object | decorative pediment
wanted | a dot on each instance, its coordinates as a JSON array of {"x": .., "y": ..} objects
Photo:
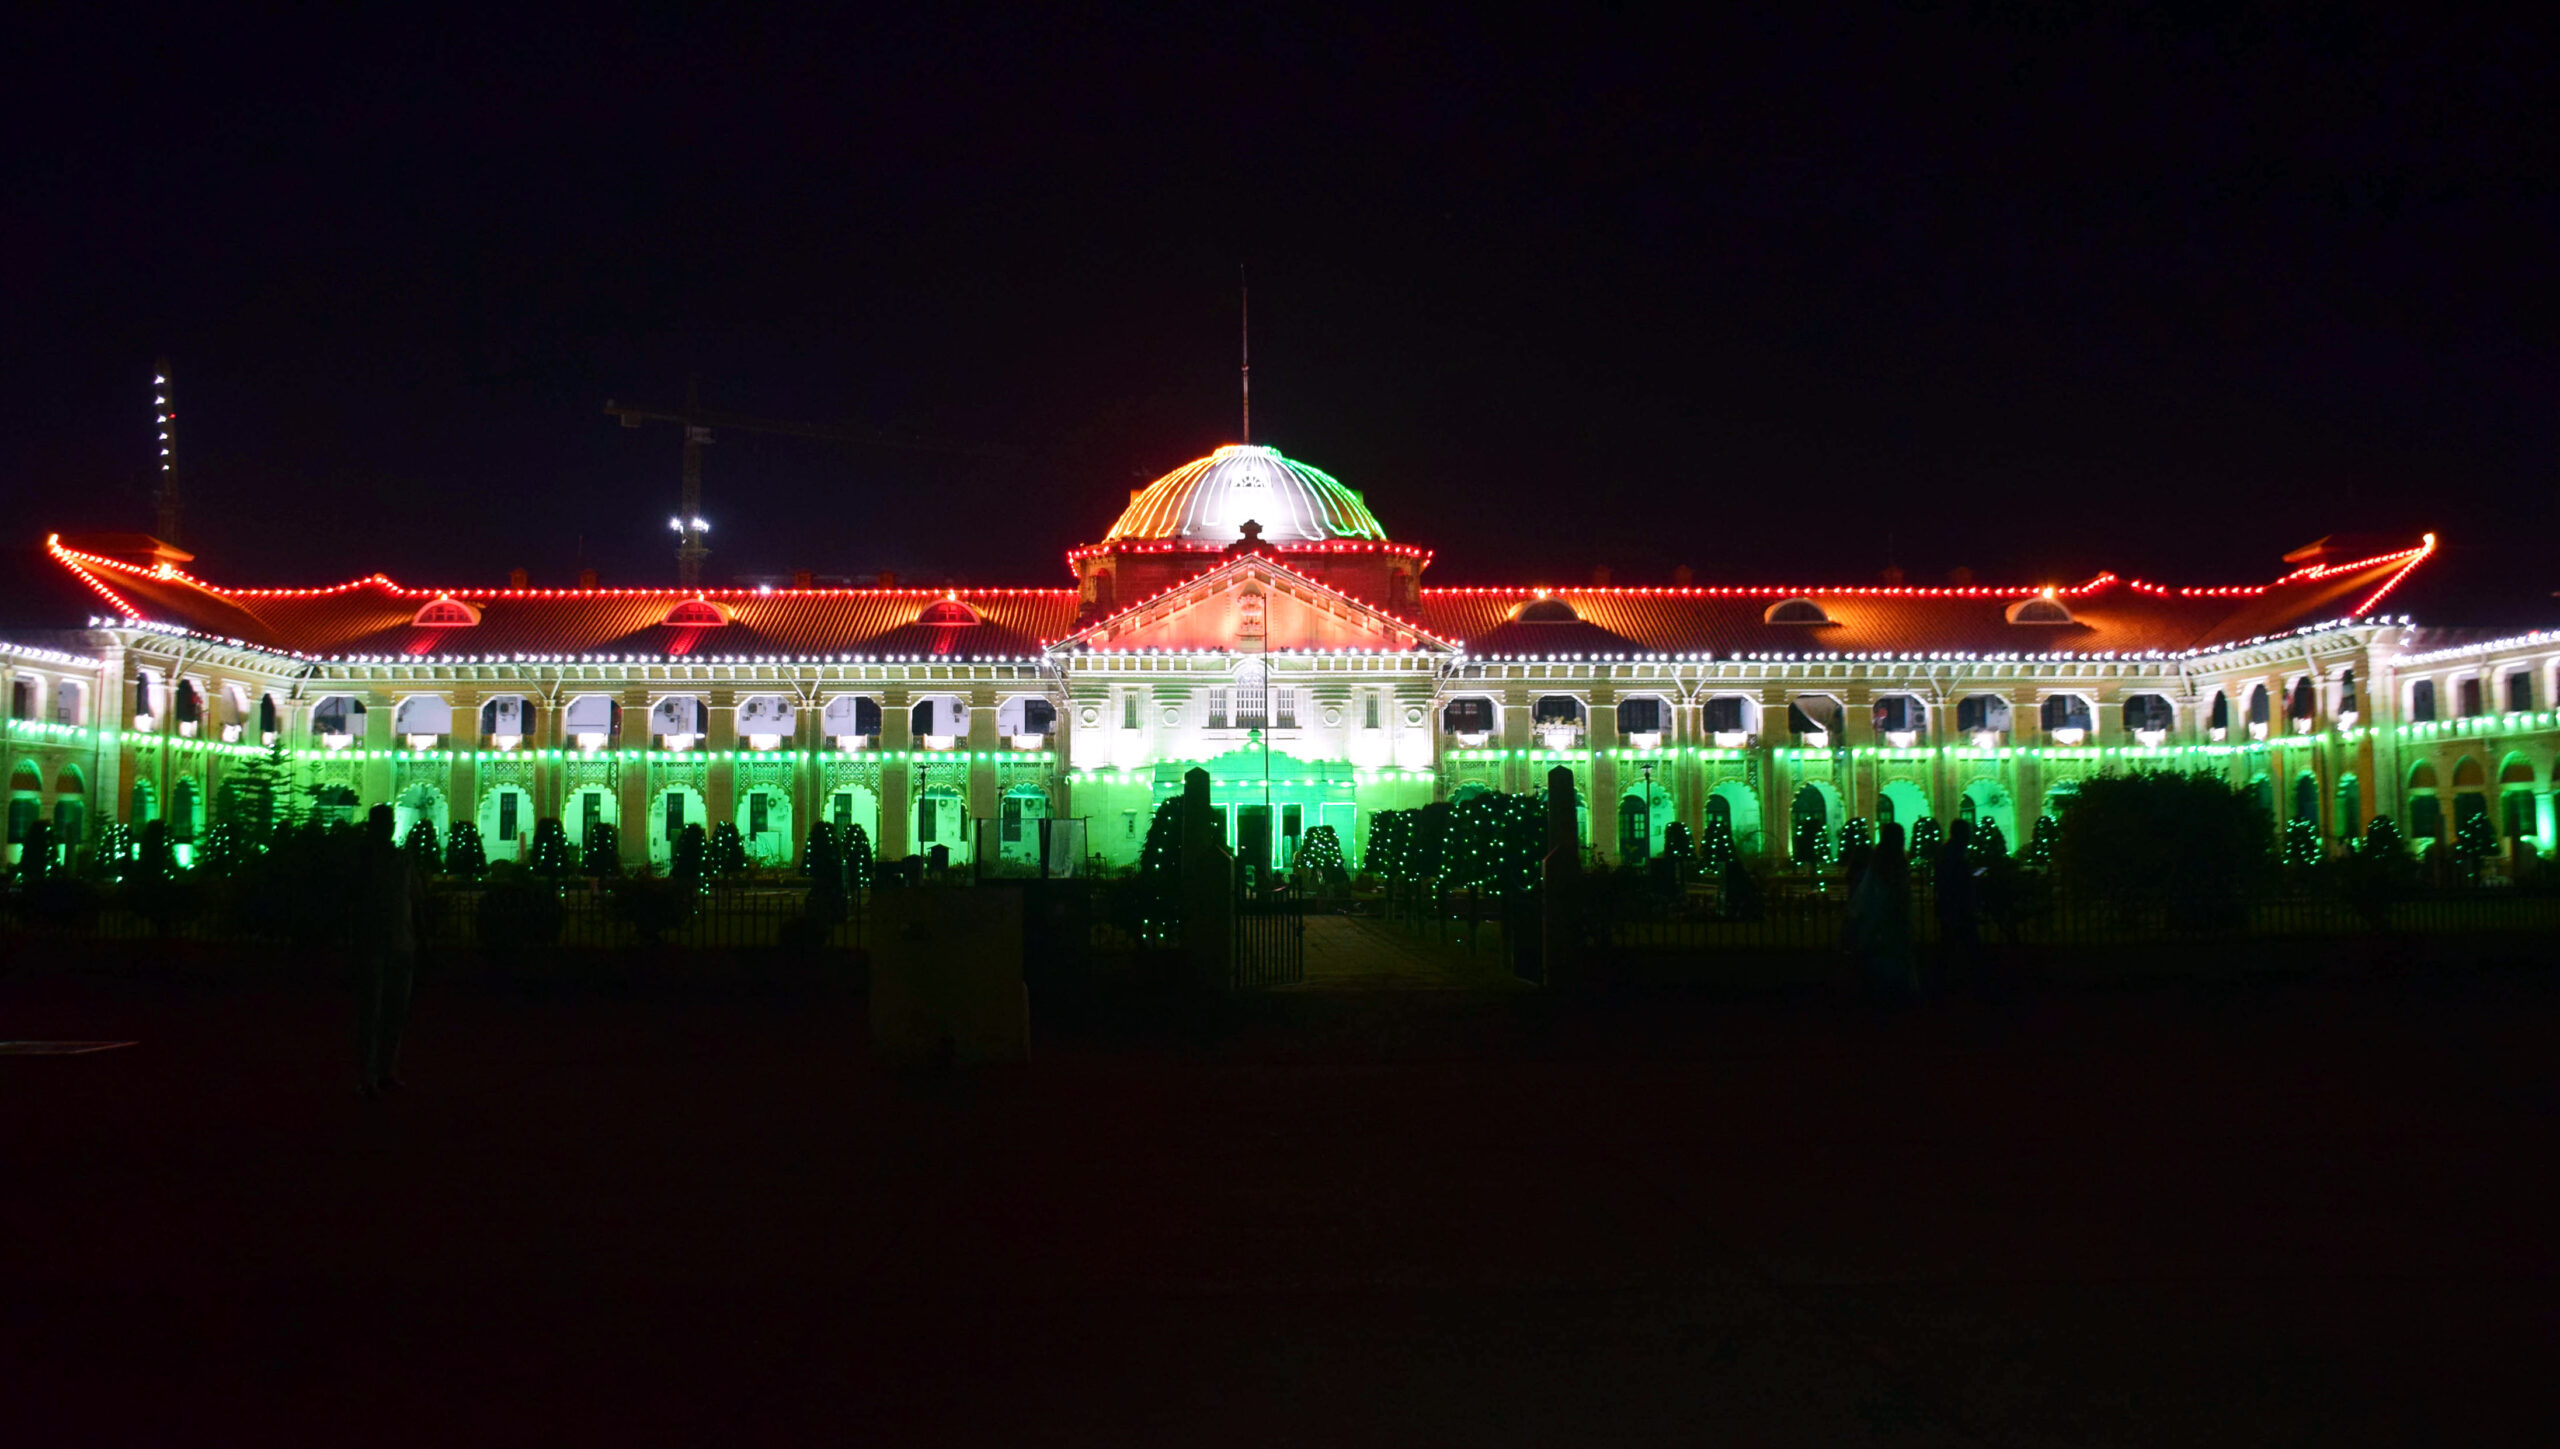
[{"x": 1252, "y": 603}]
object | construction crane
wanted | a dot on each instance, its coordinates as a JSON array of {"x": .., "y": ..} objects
[{"x": 698, "y": 422}]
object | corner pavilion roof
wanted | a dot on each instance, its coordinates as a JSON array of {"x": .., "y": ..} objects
[
  {"x": 1204, "y": 501},
  {"x": 375, "y": 618}
]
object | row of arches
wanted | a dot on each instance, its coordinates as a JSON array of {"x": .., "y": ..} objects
[
  {"x": 2065, "y": 715},
  {"x": 61, "y": 802},
  {"x": 767, "y": 719}
]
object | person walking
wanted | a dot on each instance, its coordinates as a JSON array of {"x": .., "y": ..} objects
[
  {"x": 1880, "y": 920},
  {"x": 386, "y": 942}
]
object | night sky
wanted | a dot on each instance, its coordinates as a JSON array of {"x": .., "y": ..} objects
[{"x": 2035, "y": 290}]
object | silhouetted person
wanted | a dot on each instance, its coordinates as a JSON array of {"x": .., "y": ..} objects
[
  {"x": 386, "y": 952},
  {"x": 1880, "y": 920},
  {"x": 1959, "y": 899}
]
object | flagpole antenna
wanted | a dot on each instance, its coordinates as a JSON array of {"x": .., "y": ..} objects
[{"x": 1244, "y": 338}]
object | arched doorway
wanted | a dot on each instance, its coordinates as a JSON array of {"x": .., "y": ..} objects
[
  {"x": 676, "y": 807},
  {"x": 506, "y": 823},
  {"x": 333, "y": 805},
  {"x": 1738, "y": 805},
  {"x": 1018, "y": 824},
  {"x": 584, "y": 809},
  {"x": 764, "y": 825},
  {"x": 854, "y": 807},
  {"x": 941, "y": 819},
  {"x": 1809, "y": 827},
  {"x": 1987, "y": 802},
  {"x": 417, "y": 803},
  {"x": 1644, "y": 813}
]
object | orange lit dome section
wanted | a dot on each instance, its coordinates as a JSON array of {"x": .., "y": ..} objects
[{"x": 1209, "y": 500}]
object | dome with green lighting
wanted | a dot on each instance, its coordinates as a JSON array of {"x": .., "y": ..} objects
[{"x": 1209, "y": 501}]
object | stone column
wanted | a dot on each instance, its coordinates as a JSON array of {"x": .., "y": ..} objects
[
  {"x": 982, "y": 742},
  {"x": 1600, "y": 736},
  {"x": 720, "y": 738},
  {"x": 897, "y": 800},
  {"x": 376, "y": 772},
  {"x": 462, "y": 773},
  {"x": 631, "y": 775}
]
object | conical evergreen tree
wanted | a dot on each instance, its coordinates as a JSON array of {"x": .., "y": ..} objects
[
  {"x": 857, "y": 857},
  {"x": 464, "y": 856},
  {"x": 422, "y": 847},
  {"x": 728, "y": 852},
  {"x": 552, "y": 855}
]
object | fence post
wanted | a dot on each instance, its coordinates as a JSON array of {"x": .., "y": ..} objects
[{"x": 1560, "y": 926}]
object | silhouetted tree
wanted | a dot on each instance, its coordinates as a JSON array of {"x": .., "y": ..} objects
[
  {"x": 728, "y": 853},
  {"x": 464, "y": 856}
]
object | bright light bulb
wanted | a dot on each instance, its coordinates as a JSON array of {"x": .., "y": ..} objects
[
  {"x": 701, "y": 527},
  {"x": 159, "y": 381},
  {"x": 676, "y": 523}
]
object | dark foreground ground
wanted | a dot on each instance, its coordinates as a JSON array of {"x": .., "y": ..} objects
[{"x": 2309, "y": 1214}]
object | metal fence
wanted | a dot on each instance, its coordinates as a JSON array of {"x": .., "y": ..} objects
[
  {"x": 723, "y": 918},
  {"x": 1814, "y": 916}
]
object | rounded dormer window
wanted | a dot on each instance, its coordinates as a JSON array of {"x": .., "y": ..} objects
[
  {"x": 696, "y": 614},
  {"x": 1796, "y": 611},
  {"x": 2042, "y": 609},
  {"x": 950, "y": 613},
  {"x": 446, "y": 613},
  {"x": 1547, "y": 611}
]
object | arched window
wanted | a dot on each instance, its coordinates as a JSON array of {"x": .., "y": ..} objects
[
  {"x": 2350, "y": 806},
  {"x": 696, "y": 613},
  {"x": 2039, "y": 610},
  {"x": 850, "y": 716},
  {"x": 1900, "y": 714},
  {"x": 267, "y": 726},
  {"x": 1547, "y": 611},
  {"x": 1558, "y": 711},
  {"x": 1729, "y": 716},
  {"x": 1982, "y": 714},
  {"x": 1471, "y": 715},
  {"x": 949, "y": 613},
  {"x": 2306, "y": 799},
  {"x": 2218, "y": 715},
  {"x": 506, "y": 717},
  {"x": 2422, "y": 701},
  {"x": 593, "y": 721},
  {"x": 2065, "y": 714},
  {"x": 445, "y": 613},
  {"x": 2148, "y": 714},
  {"x": 1796, "y": 611},
  {"x": 2520, "y": 691},
  {"x": 1641, "y": 715},
  {"x": 2258, "y": 711},
  {"x": 2301, "y": 704},
  {"x": 943, "y": 717},
  {"x": 2467, "y": 697},
  {"x": 338, "y": 718}
]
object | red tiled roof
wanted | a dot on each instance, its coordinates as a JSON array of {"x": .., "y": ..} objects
[
  {"x": 371, "y": 617},
  {"x": 2110, "y": 616}
]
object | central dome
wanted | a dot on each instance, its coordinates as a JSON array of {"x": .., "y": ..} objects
[{"x": 1209, "y": 500}]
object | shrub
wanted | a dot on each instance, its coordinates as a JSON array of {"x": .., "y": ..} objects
[
  {"x": 463, "y": 854},
  {"x": 2301, "y": 844},
  {"x": 603, "y": 853},
  {"x": 728, "y": 853},
  {"x": 1715, "y": 847},
  {"x": 857, "y": 857},
  {"x": 519, "y": 910},
  {"x": 2189, "y": 845},
  {"x": 686, "y": 857},
  {"x": 421, "y": 846},
  {"x": 1926, "y": 839},
  {"x": 35, "y": 853},
  {"x": 652, "y": 905},
  {"x": 2041, "y": 841},
  {"x": 553, "y": 856},
  {"x": 1320, "y": 860}
]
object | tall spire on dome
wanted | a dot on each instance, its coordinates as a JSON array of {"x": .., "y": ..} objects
[{"x": 1244, "y": 336}]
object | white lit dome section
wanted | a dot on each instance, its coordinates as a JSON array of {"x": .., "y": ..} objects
[{"x": 1209, "y": 500}]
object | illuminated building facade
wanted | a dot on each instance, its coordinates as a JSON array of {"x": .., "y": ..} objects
[{"x": 1248, "y": 614}]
